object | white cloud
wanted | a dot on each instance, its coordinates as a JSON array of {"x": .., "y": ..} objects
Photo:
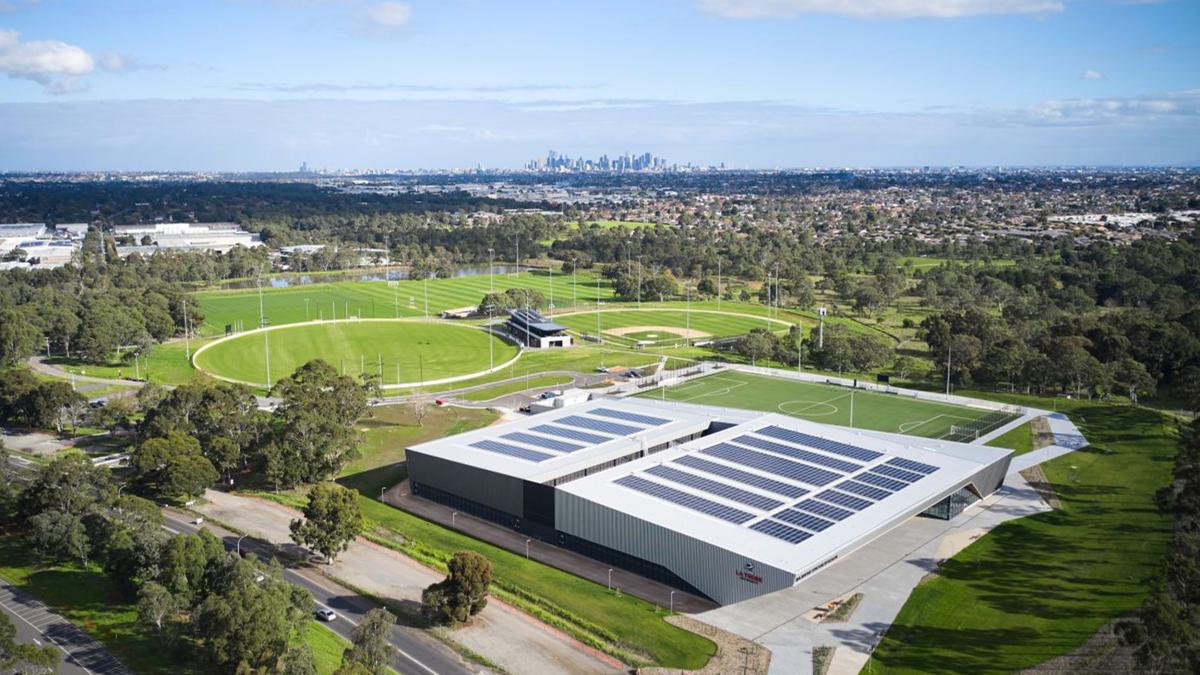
[
  {"x": 389, "y": 15},
  {"x": 1096, "y": 111},
  {"x": 876, "y": 9},
  {"x": 1092, "y": 75},
  {"x": 54, "y": 65}
]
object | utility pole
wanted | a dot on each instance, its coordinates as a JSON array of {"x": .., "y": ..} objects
[
  {"x": 949, "y": 348},
  {"x": 262, "y": 323},
  {"x": 718, "y": 283},
  {"x": 187, "y": 340}
]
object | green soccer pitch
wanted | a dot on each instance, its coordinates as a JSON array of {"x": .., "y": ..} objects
[
  {"x": 829, "y": 404},
  {"x": 399, "y": 351}
]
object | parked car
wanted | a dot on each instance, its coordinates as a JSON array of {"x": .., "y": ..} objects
[{"x": 324, "y": 614}]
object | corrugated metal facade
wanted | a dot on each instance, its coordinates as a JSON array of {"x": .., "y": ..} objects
[{"x": 722, "y": 575}]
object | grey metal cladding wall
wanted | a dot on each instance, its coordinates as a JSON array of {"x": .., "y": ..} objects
[
  {"x": 711, "y": 569},
  {"x": 989, "y": 479},
  {"x": 479, "y": 485}
]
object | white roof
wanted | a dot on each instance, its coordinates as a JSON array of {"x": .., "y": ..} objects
[
  {"x": 795, "y": 469},
  {"x": 566, "y": 440}
]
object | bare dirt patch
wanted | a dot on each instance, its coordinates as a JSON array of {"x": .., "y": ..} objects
[
  {"x": 1102, "y": 653},
  {"x": 1042, "y": 436},
  {"x": 734, "y": 654},
  {"x": 681, "y": 332},
  {"x": 1045, "y": 489}
]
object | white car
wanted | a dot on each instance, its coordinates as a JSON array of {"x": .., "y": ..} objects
[{"x": 325, "y": 614}]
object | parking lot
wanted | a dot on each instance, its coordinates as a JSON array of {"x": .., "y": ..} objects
[{"x": 34, "y": 621}]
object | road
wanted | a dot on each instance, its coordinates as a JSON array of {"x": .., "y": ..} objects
[
  {"x": 416, "y": 651},
  {"x": 35, "y": 623}
]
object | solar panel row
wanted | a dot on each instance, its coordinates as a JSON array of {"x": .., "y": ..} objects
[
  {"x": 598, "y": 425},
  {"x": 772, "y": 464},
  {"x": 868, "y": 491},
  {"x": 851, "y": 451},
  {"x": 805, "y": 520},
  {"x": 894, "y": 472},
  {"x": 715, "y": 487},
  {"x": 541, "y": 442},
  {"x": 768, "y": 484},
  {"x": 572, "y": 434},
  {"x": 780, "y": 531},
  {"x": 912, "y": 465},
  {"x": 684, "y": 499},
  {"x": 822, "y": 509},
  {"x": 629, "y": 417},
  {"x": 512, "y": 451},
  {"x": 843, "y": 499},
  {"x": 881, "y": 481},
  {"x": 806, "y": 455}
]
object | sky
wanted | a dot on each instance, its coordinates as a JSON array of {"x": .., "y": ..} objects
[{"x": 263, "y": 85}]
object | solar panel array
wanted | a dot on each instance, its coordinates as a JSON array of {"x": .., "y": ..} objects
[
  {"x": 629, "y": 417},
  {"x": 715, "y": 487},
  {"x": 541, "y": 441},
  {"x": 602, "y": 426},
  {"x": 799, "y": 463},
  {"x": 512, "y": 451},
  {"x": 772, "y": 464},
  {"x": 573, "y": 434},
  {"x": 685, "y": 499},
  {"x": 844, "y": 449}
]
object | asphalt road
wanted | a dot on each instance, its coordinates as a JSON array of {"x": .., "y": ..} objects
[
  {"x": 416, "y": 651},
  {"x": 35, "y": 623}
]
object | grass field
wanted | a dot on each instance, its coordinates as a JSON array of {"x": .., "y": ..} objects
[
  {"x": 703, "y": 323},
  {"x": 390, "y": 430},
  {"x": 382, "y": 300},
  {"x": 327, "y": 647},
  {"x": 1019, "y": 440},
  {"x": 411, "y": 351},
  {"x": 166, "y": 364},
  {"x": 1038, "y": 587},
  {"x": 824, "y": 403}
]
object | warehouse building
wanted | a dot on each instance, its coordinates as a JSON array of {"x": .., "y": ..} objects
[{"x": 726, "y": 504}]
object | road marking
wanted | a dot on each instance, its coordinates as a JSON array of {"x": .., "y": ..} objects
[{"x": 70, "y": 656}]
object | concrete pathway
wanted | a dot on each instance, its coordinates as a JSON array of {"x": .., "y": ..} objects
[
  {"x": 506, "y": 636},
  {"x": 1067, "y": 439}
]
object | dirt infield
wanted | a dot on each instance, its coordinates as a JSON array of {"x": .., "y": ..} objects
[{"x": 673, "y": 330}]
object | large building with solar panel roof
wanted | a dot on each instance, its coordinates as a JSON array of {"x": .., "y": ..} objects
[{"x": 727, "y": 504}]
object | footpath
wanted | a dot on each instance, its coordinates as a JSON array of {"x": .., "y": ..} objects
[{"x": 504, "y": 635}]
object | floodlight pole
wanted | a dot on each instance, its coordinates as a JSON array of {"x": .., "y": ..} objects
[
  {"x": 426, "y": 295},
  {"x": 718, "y": 283},
  {"x": 262, "y": 323},
  {"x": 187, "y": 338},
  {"x": 852, "y": 408},
  {"x": 574, "y": 285},
  {"x": 687, "y": 333},
  {"x": 491, "y": 272},
  {"x": 550, "y": 267},
  {"x": 639, "y": 285},
  {"x": 949, "y": 351},
  {"x": 598, "y": 310}
]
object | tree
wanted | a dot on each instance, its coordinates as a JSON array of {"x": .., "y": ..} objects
[
  {"x": 462, "y": 594},
  {"x": 1133, "y": 378},
  {"x": 371, "y": 647},
  {"x": 60, "y": 534},
  {"x": 331, "y": 520},
  {"x": 24, "y": 658},
  {"x": 154, "y": 605},
  {"x": 909, "y": 366},
  {"x": 315, "y": 435},
  {"x": 71, "y": 484},
  {"x": 298, "y": 660},
  {"x": 19, "y": 336},
  {"x": 757, "y": 344},
  {"x": 173, "y": 465}
]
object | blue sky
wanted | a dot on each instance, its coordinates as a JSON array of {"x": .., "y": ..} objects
[{"x": 266, "y": 84}]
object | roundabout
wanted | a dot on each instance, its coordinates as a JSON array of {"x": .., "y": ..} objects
[{"x": 400, "y": 353}]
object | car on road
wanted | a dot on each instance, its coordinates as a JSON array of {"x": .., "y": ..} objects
[{"x": 325, "y": 614}]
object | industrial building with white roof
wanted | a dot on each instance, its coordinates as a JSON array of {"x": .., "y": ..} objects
[{"x": 724, "y": 503}]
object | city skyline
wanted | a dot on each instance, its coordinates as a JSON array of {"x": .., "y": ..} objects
[{"x": 250, "y": 86}]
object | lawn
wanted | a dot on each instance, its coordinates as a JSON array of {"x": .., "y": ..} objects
[
  {"x": 1038, "y": 587},
  {"x": 390, "y": 430},
  {"x": 703, "y": 321},
  {"x": 327, "y": 647},
  {"x": 410, "y": 351},
  {"x": 166, "y": 364},
  {"x": 378, "y": 299},
  {"x": 1019, "y": 440},
  {"x": 514, "y": 387},
  {"x": 90, "y": 600},
  {"x": 830, "y": 404}
]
